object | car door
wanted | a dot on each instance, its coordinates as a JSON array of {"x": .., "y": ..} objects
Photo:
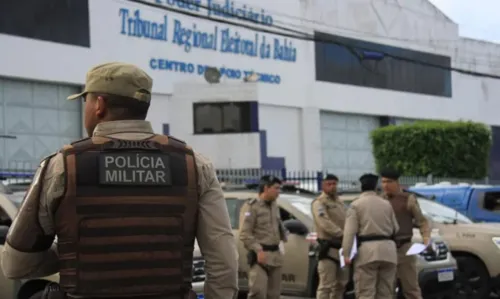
[
  {"x": 295, "y": 271},
  {"x": 234, "y": 206}
]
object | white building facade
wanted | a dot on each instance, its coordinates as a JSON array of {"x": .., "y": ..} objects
[{"x": 312, "y": 108}]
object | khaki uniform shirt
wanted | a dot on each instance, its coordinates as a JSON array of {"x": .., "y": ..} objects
[
  {"x": 260, "y": 224},
  {"x": 214, "y": 234},
  {"x": 370, "y": 214},
  {"x": 418, "y": 217},
  {"x": 329, "y": 219}
]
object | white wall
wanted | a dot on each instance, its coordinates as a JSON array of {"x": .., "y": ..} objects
[
  {"x": 414, "y": 24},
  {"x": 417, "y": 25},
  {"x": 284, "y": 133},
  {"x": 225, "y": 150},
  {"x": 108, "y": 43},
  {"x": 159, "y": 111}
]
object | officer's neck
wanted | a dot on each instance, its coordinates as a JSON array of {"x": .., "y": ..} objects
[
  {"x": 332, "y": 196},
  {"x": 265, "y": 198}
]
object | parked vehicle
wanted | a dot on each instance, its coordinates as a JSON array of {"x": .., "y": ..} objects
[
  {"x": 24, "y": 289},
  {"x": 475, "y": 246},
  {"x": 481, "y": 203},
  {"x": 299, "y": 276}
]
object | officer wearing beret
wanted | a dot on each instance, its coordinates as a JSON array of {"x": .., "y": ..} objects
[
  {"x": 125, "y": 204},
  {"x": 262, "y": 231},
  {"x": 408, "y": 213},
  {"x": 329, "y": 218},
  {"x": 372, "y": 219}
]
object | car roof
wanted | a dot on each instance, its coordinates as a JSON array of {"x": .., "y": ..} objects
[{"x": 286, "y": 200}]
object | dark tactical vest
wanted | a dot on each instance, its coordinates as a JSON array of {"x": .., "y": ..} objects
[
  {"x": 126, "y": 225},
  {"x": 399, "y": 203}
]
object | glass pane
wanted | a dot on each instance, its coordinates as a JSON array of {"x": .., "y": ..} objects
[
  {"x": 208, "y": 118},
  {"x": 232, "y": 118},
  {"x": 440, "y": 213},
  {"x": 233, "y": 209}
]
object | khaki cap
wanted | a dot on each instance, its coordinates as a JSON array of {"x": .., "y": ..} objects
[{"x": 120, "y": 79}]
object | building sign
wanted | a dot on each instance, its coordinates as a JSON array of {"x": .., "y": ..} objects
[
  {"x": 188, "y": 35},
  {"x": 227, "y": 9}
]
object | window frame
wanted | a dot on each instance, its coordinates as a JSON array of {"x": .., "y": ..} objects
[
  {"x": 245, "y": 117},
  {"x": 393, "y": 74}
]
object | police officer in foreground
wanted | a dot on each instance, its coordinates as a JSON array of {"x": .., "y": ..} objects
[
  {"x": 329, "y": 219},
  {"x": 408, "y": 213},
  {"x": 262, "y": 233},
  {"x": 125, "y": 204},
  {"x": 372, "y": 220}
]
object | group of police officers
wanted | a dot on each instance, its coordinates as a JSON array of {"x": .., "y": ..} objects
[
  {"x": 382, "y": 225},
  {"x": 117, "y": 214}
]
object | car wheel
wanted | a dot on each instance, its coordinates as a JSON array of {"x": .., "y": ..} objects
[
  {"x": 31, "y": 288},
  {"x": 37, "y": 295},
  {"x": 472, "y": 281}
]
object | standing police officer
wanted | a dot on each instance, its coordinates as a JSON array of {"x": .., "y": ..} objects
[
  {"x": 408, "y": 212},
  {"x": 329, "y": 218},
  {"x": 125, "y": 204},
  {"x": 261, "y": 232},
  {"x": 372, "y": 219}
]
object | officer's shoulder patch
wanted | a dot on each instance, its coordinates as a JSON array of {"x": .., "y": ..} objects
[{"x": 320, "y": 209}]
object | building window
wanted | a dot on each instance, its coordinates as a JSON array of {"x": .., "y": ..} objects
[
  {"x": 59, "y": 21},
  {"x": 223, "y": 117},
  {"x": 337, "y": 63}
]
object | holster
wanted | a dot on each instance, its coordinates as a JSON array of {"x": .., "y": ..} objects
[
  {"x": 323, "y": 248},
  {"x": 251, "y": 258}
]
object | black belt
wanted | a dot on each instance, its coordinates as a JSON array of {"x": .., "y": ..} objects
[
  {"x": 332, "y": 243},
  {"x": 270, "y": 247},
  {"x": 370, "y": 238}
]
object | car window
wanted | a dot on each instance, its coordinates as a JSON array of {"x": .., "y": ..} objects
[
  {"x": 302, "y": 204},
  {"x": 285, "y": 215},
  {"x": 233, "y": 207},
  {"x": 441, "y": 213}
]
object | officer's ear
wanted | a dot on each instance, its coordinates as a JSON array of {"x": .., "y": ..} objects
[{"x": 100, "y": 106}]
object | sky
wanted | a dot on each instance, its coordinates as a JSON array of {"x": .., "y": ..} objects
[{"x": 477, "y": 18}]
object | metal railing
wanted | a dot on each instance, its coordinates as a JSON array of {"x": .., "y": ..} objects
[{"x": 310, "y": 180}]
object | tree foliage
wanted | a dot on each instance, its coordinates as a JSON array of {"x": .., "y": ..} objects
[{"x": 444, "y": 149}]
